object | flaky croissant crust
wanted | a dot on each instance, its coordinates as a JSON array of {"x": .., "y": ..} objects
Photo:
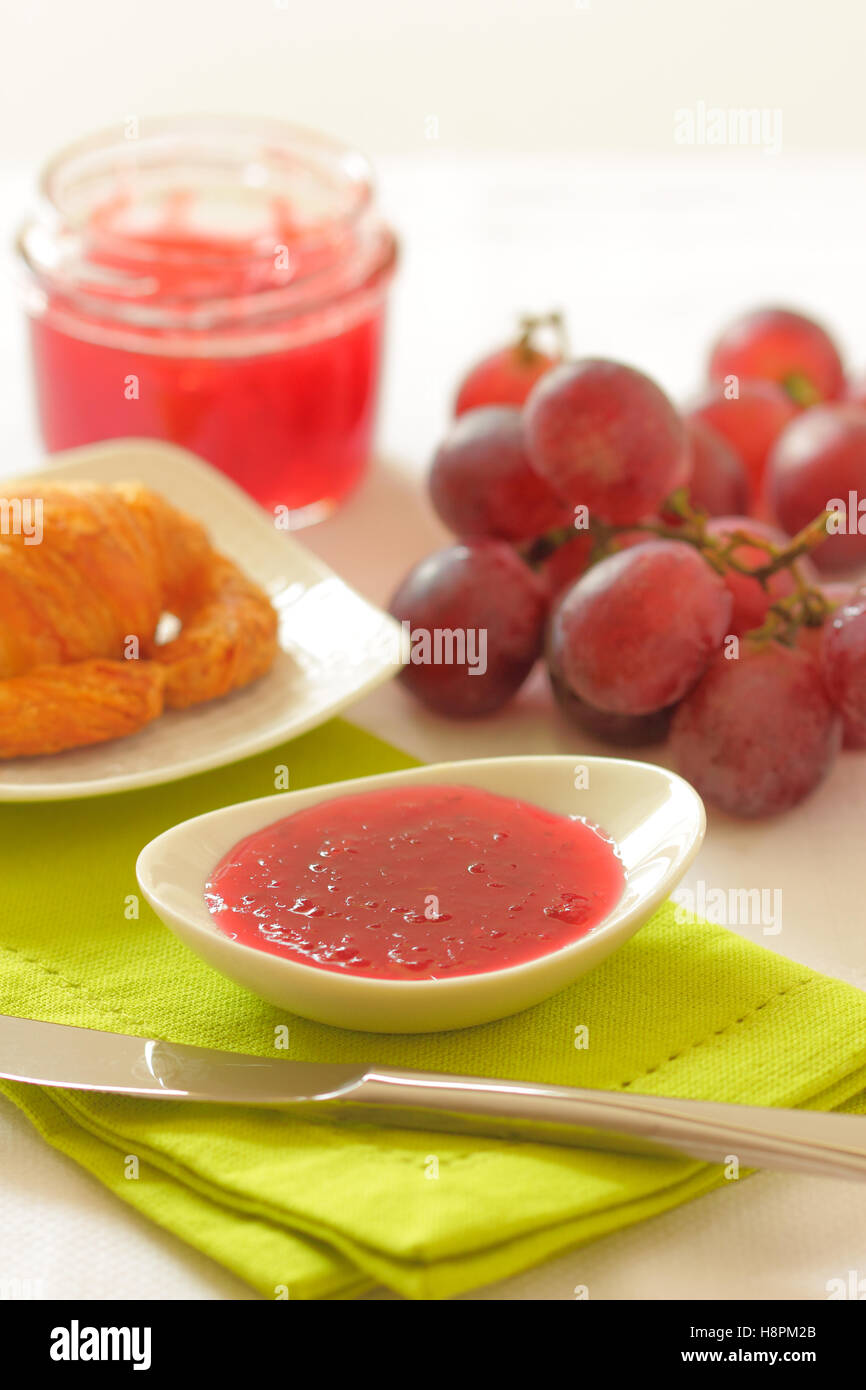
[{"x": 79, "y": 612}]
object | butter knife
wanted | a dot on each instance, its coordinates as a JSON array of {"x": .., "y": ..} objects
[{"x": 84, "y": 1059}]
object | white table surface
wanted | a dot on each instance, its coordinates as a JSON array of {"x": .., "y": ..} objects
[{"x": 647, "y": 258}]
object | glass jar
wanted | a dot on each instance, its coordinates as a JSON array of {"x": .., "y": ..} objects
[{"x": 219, "y": 283}]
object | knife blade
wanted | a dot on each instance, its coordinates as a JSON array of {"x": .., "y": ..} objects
[{"x": 85, "y": 1059}]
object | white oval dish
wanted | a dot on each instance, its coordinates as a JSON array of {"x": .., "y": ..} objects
[{"x": 656, "y": 819}]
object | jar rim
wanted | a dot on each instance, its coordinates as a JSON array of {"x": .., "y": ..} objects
[{"x": 253, "y": 156}]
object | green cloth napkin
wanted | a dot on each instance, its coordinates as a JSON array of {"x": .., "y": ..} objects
[{"x": 317, "y": 1209}]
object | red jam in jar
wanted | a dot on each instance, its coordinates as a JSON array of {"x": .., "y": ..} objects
[
  {"x": 220, "y": 284},
  {"x": 416, "y": 883}
]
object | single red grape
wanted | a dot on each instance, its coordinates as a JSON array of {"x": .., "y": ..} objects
[
  {"x": 781, "y": 346},
  {"x": 482, "y": 483},
  {"x": 819, "y": 461},
  {"x": 718, "y": 482},
  {"x": 607, "y": 438},
  {"x": 750, "y": 422},
  {"x": 624, "y": 730},
  {"x": 842, "y": 659},
  {"x": 477, "y": 599},
  {"x": 506, "y": 377},
  {"x": 636, "y": 632},
  {"x": 751, "y": 599},
  {"x": 758, "y": 732}
]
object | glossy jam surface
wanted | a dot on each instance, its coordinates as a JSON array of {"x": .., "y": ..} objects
[{"x": 416, "y": 883}]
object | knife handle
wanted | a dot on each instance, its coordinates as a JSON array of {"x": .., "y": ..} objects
[{"x": 802, "y": 1141}]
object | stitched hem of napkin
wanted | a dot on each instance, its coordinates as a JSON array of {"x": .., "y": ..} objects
[
  {"x": 686, "y": 1051},
  {"x": 98, "y": 1000}
]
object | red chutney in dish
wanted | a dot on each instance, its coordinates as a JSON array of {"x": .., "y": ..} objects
[{"x": 416, "y": 883}]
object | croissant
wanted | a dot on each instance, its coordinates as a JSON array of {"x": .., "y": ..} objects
[{"x": 79, "y": 658}]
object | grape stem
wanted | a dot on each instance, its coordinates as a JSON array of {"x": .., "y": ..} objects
[
  {"x": 530, "y": 325},
  {"x": 806, "y": 606},
  {"x": 801, "y": 390}
]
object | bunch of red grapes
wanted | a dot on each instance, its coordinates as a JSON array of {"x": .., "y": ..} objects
[{"x": 675, "y": 569}]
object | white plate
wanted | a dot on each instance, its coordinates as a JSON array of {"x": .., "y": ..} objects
[
  {"x": 656, "y": 819},
  {"x": 335, "y": 645}
]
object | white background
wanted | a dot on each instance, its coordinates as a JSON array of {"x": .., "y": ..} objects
[
  {"x": 501, "y": 74},
  {"x": 554, "y": 180}
]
